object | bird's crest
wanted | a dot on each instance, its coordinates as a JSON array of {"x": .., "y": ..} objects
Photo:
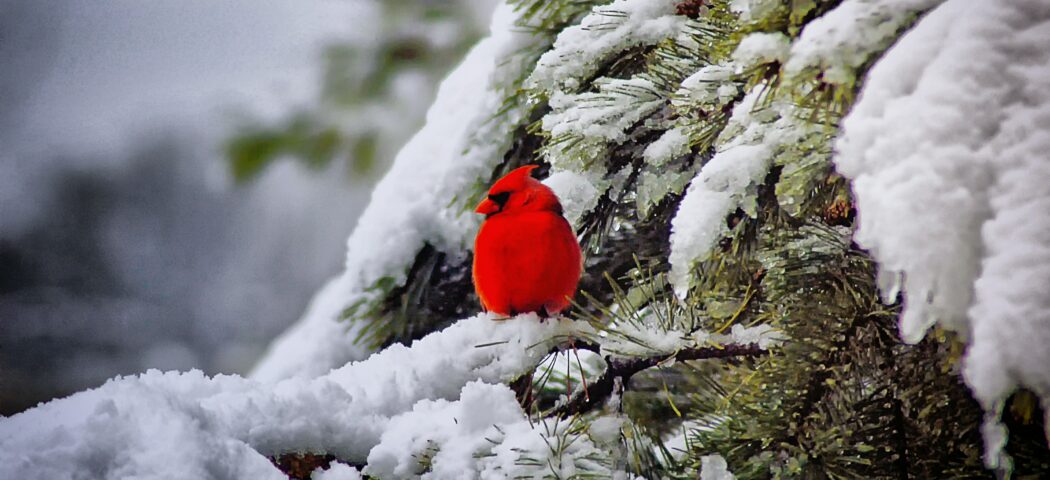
[{"x": 516, "y": 180}]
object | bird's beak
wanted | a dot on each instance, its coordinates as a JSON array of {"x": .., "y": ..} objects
[{"x": 487, "y": 207}]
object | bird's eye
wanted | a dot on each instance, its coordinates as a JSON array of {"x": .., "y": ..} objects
[{"x": 500, "y": 198}]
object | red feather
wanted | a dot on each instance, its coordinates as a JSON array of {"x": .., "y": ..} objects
[{"x": 526, "y": 256}]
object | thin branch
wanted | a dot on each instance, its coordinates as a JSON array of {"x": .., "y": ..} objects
[{"x": 598, "y": 391}]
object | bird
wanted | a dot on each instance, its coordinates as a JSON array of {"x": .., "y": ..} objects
[{"x": 526, "y": 255}]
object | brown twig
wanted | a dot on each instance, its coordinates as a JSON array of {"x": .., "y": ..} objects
[{"x": 599, "y": 390}]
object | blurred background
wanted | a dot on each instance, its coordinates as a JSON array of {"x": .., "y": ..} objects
[{"x": 177, "y": 177}]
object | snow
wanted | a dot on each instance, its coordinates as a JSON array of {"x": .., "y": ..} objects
[
  {"x": 338, "y": 471},
  {"x": 714, "y": 467},
  {"x": 728, "y": 181},
  {"x": 843, "y": 39},
  {"x": 725, "y": 183},
  {"x": 759, "y": 48},
  {"x": 672, "y": 143},
  {"x": 764, "y": 336},
  {"x": 576, "y": 192},
  {"x": 433, "y": 166},
  {"x": 645, "y": 338},
  {"x": 455, "y": 431},
  {"x": 581, "y": 49},
  {"x": 607, "y": 429},
  {"x": 312, "y": 347},
  {"x": 642, "y": 339},
  {"x": 583, "y": 125},
  {"x": 712, "y": 85},
  {"x": 590, "y": 122},
  {"x": 948, "y": 158},
  {"x": 179, "y": 425},
  {"x": 744, "y": 153},
  {"x": 485, "y": 434},
  {"x": 606, "y": 114},
  {"x": 549, "y": 449},
  {"x": 416, "y": 202}
]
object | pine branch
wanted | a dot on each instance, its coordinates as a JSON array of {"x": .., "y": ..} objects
[{"x": 599, "y": 390}]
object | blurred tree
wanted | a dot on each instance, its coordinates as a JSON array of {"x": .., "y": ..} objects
[{"x": 375, "y": 90}]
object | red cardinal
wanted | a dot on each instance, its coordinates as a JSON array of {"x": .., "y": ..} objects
[{"x": 526, "y": 257}]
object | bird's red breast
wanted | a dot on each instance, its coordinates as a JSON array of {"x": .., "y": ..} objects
[{"x": 526, "y": 256}]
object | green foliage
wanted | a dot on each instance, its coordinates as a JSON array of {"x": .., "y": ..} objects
[
  {"x": 370, "y": 309},
  {"x": 315, "y": 145},
  {"x": 843, "y": 398}
]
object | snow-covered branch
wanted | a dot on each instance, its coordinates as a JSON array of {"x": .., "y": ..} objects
[
  {"x": 368, "y": 412},
  {"x": 620, "y": 370},
  {"x": 947, "y": 152}
]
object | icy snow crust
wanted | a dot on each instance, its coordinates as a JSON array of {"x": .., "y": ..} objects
[
  {"x": 386, "y": 410},
  {"x": 948, "y": 152},
  {"x": 414, "y": 203}
]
